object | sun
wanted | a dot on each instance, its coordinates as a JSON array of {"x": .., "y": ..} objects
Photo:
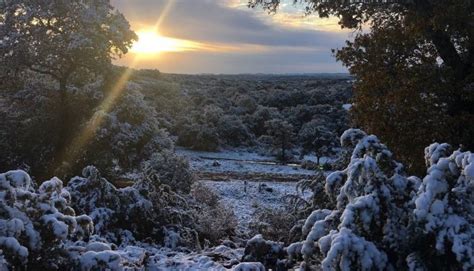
[{"x": 151, "y": 42}]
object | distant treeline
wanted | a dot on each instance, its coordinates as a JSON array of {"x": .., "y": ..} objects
[{"x": 273, "y": 112}]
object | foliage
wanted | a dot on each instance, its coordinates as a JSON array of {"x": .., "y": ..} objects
[
  {"x": 29, "y": 126},
  {"x": 208, "y": 112},
  {"x": 282, "y": 135},
  {"x": 60, "y": 38},
  {"x": 215, "y": 222},
  {"x": 268, "y": 253},
  {"x": 273, "y": 224},
  {"x": 37, "y": 224},
  {"x": 128, "y": 135},
  {"x": 144, "y": 211},
  {"x": 314, "y": 135}
]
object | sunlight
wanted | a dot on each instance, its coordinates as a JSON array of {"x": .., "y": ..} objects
[{"x": 151, "y": 42}]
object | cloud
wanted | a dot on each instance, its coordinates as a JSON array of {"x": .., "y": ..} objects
[{"x": 248, "y": 39}]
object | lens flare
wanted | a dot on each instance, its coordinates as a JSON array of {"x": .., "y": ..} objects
[{"x": 151, "y": 42}]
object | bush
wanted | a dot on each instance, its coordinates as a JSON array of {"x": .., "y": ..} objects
[
  {"x": 39, "y": 229},
  {"x": 273, "y": 224},
  {"x": 171, "y": 170},
  {"x": 153, "y": 213},
  {"x": 270, "y": 254},
  {"x": 215, "y": 222},
  {"x": 386, "y": 220},
  {"x": 126, "y": 136}
]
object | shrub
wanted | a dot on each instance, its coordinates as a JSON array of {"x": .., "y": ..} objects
[
  {"x": 215, "y": 222},
  {"x": 270, "y": 254},
  {"x": 153, "y": 213},
  {"x": 273, "y": 224},
  {"x": 386, "y": 220},
  {"x": 39, "y": 229},
  {"x": 171, "y": 170}
]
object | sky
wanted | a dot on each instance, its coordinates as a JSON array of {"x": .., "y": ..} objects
[{"x": 227, "y": 37}]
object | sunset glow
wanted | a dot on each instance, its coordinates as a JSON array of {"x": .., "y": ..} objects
[{"x": 151, "y": 42}]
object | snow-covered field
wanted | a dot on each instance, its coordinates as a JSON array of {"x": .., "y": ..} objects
[
  {"x": 246, "y": 181},
  {"x": 233, "y": 162},
  {"x": 245, "y": 197}
]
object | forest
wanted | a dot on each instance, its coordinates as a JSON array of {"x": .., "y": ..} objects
[{"x": 109, "y": 167}]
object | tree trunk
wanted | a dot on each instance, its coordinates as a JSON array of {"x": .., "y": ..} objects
[
  {"x": 283, "y": 150},
  {"x": 64, "y": 124}
]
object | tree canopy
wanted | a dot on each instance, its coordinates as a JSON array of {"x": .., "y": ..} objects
[{"x": 59, "y": 37}]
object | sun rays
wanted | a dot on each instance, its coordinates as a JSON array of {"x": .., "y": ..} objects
[{"x": 151, "y": 42}]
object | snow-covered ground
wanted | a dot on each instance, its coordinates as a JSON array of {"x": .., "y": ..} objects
[
  {"x": 246, "y": 181},
  {"x": 239, "y": 162},
  {"x": 218, "y": 258},
  {"x": 245, "y": 197}
]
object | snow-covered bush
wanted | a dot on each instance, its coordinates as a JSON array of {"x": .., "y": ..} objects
[
  {"x": 144, "y": 211},
  {"x": 39, "y": 229},
  {"x": 270, "y": 254},
  {"x": 171, "y": 170},
  {"x": 35, "y": 225},
  {"x": 273, "y": 224},
  {"x": 214, "y": 220},
  {"x": 386, "y": 220},
  {"x": 249, "y": 266},
  {"x": 128, "y": 135}
]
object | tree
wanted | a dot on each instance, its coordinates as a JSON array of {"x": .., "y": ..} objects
[
  {"x": 413, "y": 68},
  {"x": 62, "y": 39},
  {"x": 282, "y": 135},
  {"x": 314, "y": 136}
]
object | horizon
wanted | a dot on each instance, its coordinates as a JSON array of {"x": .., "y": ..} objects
[
  {"x": 239, "y": 74},
  {"x": 227, "y": 37}
]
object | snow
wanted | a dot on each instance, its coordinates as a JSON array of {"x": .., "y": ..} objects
[
  {"x": 469, "y": 168},
  {"x": 245, "y": 203},
  {"x": 250, "y": 266},
  {"x": 13, "y": 246},
  {"x": 92, "y": 260},
  {"x": 98, "y": 246},
  {"x": 239, "y": 162},
  {"x": 240, "y": 155},
  {"x": 166, "y": 259},
  {"x": 17, "y": 179},
  {"x": 347, "y": 247},
  {"x": 347, "y": 107}
]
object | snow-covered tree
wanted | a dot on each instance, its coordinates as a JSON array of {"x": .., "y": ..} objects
[
  {"x": 60, "y": 38},
  {"x": 282, "y": 135},
  {"x": 318, "y": 138},
  {"x": 387, "y": 220},
  {"x": 232, "y": 131},
  {"x": 257, "y": 120},
  {"x": 127, "y": 136}
]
